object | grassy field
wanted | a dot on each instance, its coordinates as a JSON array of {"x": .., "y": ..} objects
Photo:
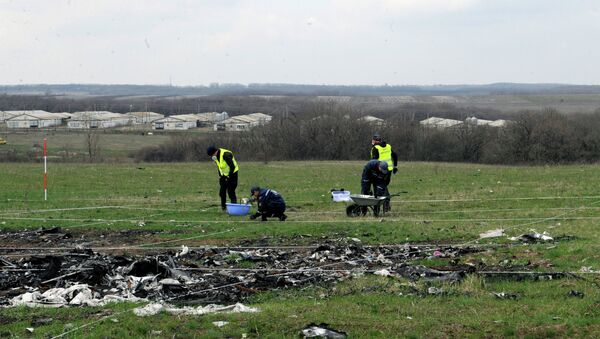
[
  {"x": 437, "y": 204},
  {"x": 72, "y": 144}
]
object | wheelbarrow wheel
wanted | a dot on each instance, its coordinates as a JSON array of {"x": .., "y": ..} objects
[
  {"x": 376, "y": 210},
  {"x": 387, "y": 206},
  {"x": 356, "y": 211}
]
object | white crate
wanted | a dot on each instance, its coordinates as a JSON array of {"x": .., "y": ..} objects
[{"x": 339, "y": 196}]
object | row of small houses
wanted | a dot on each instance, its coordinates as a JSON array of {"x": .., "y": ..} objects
[
  {"x": 472, "y": 121},
  {"x": 214, "y": 120},
  {"x": 104, "y": 119}
]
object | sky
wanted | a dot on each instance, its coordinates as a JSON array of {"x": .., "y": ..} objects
[{"x": 333, "y": 42}]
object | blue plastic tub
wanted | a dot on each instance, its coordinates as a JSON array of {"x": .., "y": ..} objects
[{"x": 237, "y": 209}]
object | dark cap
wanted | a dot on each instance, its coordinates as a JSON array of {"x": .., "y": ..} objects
[
  {"x": 254, "y": 189},
  {"x": 211, "y": 150},
  {"x": 377, "y": 137},
  {"x": 383, "y": 167}
]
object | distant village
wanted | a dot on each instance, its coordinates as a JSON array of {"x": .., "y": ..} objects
[
  {"x": 211, "y": 120},
  {"x": 103, "y": 119}
]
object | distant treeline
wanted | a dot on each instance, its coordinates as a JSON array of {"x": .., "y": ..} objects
[
  {"x": 305, "y": 127},
  {"x": 292, "y": 106},
  {"x": 534, "y": 137}
]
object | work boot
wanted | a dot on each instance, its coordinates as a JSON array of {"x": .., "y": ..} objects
[
  {"x": 263, "y": 218},
  {"x": 282, "y": 217}
]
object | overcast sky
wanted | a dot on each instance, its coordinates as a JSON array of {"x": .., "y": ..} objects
[{"x": 372, "y": 42}]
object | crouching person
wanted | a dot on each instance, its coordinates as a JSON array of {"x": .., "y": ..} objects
[{"x": 270, "y": 204}]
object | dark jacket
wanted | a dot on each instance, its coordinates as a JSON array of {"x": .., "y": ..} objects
[
  {"x": 375, "y": 153},
  {"x": 269, "y": 200},
  {"x": 372, "y": 176}
]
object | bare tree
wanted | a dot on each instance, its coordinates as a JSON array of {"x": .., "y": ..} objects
[{"x": 92, "y": 145}]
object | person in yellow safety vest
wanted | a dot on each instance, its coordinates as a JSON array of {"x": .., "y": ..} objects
[
  {"x": 382, "y": 151},
  {"x": 228, "y": 173}
]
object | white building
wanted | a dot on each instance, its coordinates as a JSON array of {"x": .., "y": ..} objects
[
  {"x": 176, "y": 122},
  {"x": 481, "y": 122},
  {"x": 5, "y": 115},
  {"x": 207, "y": 119},
  {"x": 369, "y": 119},
  {"x": 97, "y": 119},
  {"x": 242, "y": 122},
  {"x": 140, "y": 118},
  {"x": 35, "y": 119},
  {"x": 473, "y": 121},
  {"x": 261, "y": 118},
  {"x": 440, "y": 122},
  {"x": 500, "y": 123}
]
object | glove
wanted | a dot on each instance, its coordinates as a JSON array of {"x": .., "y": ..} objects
[{"x": 395, "y": 170}]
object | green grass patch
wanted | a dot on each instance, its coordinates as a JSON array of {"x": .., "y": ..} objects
[{"x": 437, "y": 204}]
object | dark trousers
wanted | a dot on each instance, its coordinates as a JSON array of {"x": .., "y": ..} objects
[
  {"x": 273, "y": 211},
  {"x": 228, "y": 186},
  {"x": 379, "y": 188},
  {"x": 388, "y": 178}
]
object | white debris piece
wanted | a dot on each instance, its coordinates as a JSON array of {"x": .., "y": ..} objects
[
  {"x": 382, "y": 259},
  {"x": 169, "y": 282},
  {"x": 492, "y": 234},
  {"x": 435, "y": 290},
  {"x": 79, "y": 294},
  {"x": 383, "y": 273},
  {"x": 532, "y": 237},
  {"x": 184, "y": 250},
  {"x": 154, "y": 308},
  {"x": 220, "y": 323}
]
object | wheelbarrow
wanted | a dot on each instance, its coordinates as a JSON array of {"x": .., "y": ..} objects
[{"x": 361, "y": 204}]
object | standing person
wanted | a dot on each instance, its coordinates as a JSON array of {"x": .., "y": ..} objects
[
  {"x": 270, "y": 204},
  {"x": 382, "y": 151},
  {"x": 228, "y": 173}
]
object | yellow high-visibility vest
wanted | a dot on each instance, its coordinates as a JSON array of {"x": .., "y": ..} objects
[
  {"x": 222, "y": 164},
  {"x": 385, "y": 154}
]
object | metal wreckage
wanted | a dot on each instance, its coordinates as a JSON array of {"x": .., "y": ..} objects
[{"x": 217, "y": 275}]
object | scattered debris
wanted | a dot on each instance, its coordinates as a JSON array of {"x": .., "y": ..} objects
[
  {"x": 532, "y": 237},
  {"x": 508, "y": 296},
  {"x": 220, "y": 323},
  {"x": 184, "y": 250},
  {"x": 492, "y": 234},
  {"x": 154, "y": 308},
  {"x": 421, "y": 272},
  {"x": 221, "y": 275},
  {"x": 383, "y": 273},
  {"x": 41, "y": 321},
  {"x": 435, "y": 291},
  {"x": 322, "y": 331},
  {"x": 204, "y": 275},
  {"x": 574, "y": 293}
]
